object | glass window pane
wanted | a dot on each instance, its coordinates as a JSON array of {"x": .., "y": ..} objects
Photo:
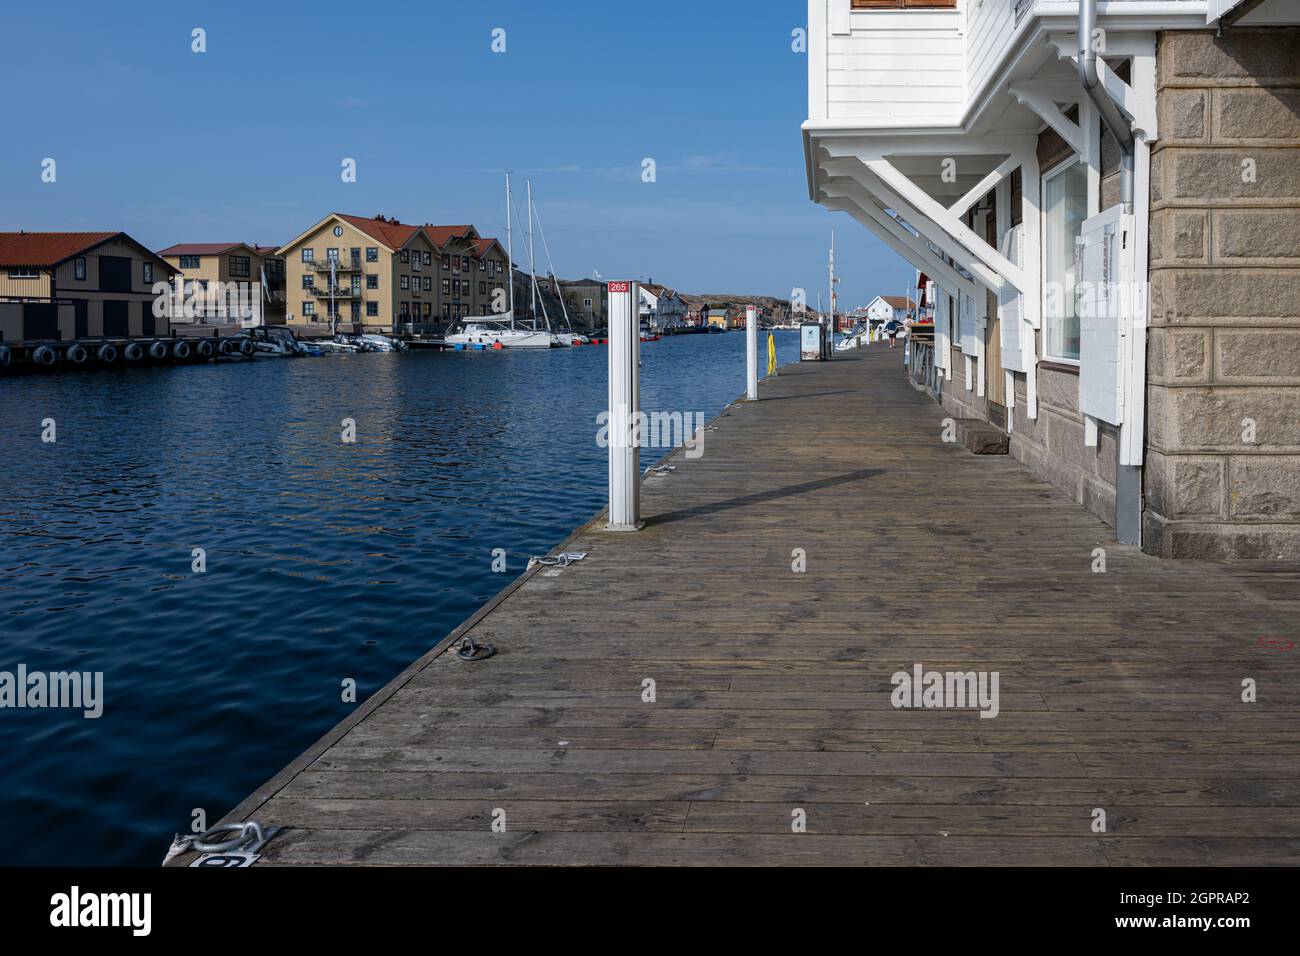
[{"x": 1065, "y": 203}]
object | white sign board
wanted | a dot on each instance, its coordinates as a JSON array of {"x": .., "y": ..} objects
[{"x": 1104, "y": 303}]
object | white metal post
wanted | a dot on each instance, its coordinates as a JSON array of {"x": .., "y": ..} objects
[
  {"x": 624, "y": 407},
  {"x": 751, "y": 352}
]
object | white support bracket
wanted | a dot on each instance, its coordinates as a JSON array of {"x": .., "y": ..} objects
[
  {"x": 980, "y": 189},
  {"x": 1137, "y": 104},
  {"x": 945, "y": 243},
  {"x": 946, "y": 221},
  {"x": 918, "y": 251},
  {"x": 1045, "y": 106}
]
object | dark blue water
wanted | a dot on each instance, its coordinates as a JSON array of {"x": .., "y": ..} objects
[{"x": 325, "y": 560}]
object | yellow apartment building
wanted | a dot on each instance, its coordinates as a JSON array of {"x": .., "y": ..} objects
[
  {"x": 376, "y": 275},
  {"x": 203, "y": 263}
]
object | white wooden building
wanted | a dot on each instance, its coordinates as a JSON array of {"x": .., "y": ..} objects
[
  {"x": 974, "y": 138},
  {"x": 885, "y": 307},
  {"x": 661, "y": 307}
]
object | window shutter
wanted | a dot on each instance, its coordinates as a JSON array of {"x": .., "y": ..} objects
[
  {"x": 1009, "y": 306},
  {"x": 969, "y": 330},
  {"x": 942, "y": 348}
]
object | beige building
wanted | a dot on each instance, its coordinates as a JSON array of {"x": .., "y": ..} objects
[
  {"x": 382, "y": 272},
  {"x": 471, "y": 269},
  {"x": 77, "y": 285},
  {"x": 204, "y": 263}
]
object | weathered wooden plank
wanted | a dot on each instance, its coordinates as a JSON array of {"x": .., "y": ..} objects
[
  {"x": 1276, "y": 791},
  {"x": 344, "y": 756},
  {"x": 589, "y": 816},
  {"x": 1112, "y": 730},
  {"x": 1122, "y": 822},
  {"x": 475, "y": 848}
]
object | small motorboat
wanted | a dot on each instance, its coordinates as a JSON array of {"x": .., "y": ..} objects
[
  {"x": 382, "y": 343},
  {"x": 277, "y": 341},
  {"x": 335, "y": 346}
]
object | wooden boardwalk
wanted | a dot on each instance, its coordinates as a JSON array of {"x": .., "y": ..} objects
[{"x": 1119, "y": 691}]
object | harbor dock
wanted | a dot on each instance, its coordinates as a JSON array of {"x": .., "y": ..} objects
[{"x": 717, "y": 688}]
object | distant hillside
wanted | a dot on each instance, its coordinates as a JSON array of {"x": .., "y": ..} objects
[{"x": 771, "y": 304}]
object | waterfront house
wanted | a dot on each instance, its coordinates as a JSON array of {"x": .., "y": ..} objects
[
  {"x": 232, "y": 263},
  {"x": 885, "y": 307},
  {"x": 455, "y": 279},
  {"x": 670, "y": 310},
  {"x": 661, "y": 307},
  {"x": 491, "y": 265},
  {"x": 76, "y": 285},
  {"x": 1114, "y": 234},
  {"x": 471, "y": 268},
  {"x": 649, "y": 301},
  {"x": 382, "y": 272},
  {"x": 588, "y": 302}
]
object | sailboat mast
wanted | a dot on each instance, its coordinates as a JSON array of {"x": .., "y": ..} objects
[
  {"x": 532, "y": 261},
  {"x": 510, "y": 251},
  {"x": 546, "y": 247}
]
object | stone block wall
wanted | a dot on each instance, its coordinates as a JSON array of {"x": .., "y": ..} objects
[
  {"x": 1052, "y": 445},
  {"x": 1222, "y": 473}
]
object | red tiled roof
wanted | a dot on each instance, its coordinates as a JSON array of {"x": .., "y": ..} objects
[
  {"x": 441, "y": 235},
  {"x": 483, "y": 245},
  {"x": 198, "y": 248},
  {"x": 898, "y": 301},
  {"x": 392, "y": 234},
  {"x": 47, "y": 248}
]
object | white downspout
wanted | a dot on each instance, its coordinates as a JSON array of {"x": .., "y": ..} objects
[
  {"x": 1128, "y": 478},
  {"x": 1115, "y": 121}
]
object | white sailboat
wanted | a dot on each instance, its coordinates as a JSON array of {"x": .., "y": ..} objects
[
  {"x": 501, "y": 331},
  {"x": 566, "y": 336}
]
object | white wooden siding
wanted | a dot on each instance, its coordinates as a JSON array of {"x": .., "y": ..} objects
[
  {"x": 897, "y": 67},
  {"x": 989, "y": 26}
]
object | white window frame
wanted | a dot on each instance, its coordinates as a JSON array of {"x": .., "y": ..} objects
[{"x": 1052, "y": 173}]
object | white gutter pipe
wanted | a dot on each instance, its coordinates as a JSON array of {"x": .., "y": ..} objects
[
  {"x": 1115, "y": 121},
  {"x": 1128, "y": 478}
]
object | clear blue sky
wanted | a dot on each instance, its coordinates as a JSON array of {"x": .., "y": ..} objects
[{"x": 244, "y": 142}]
